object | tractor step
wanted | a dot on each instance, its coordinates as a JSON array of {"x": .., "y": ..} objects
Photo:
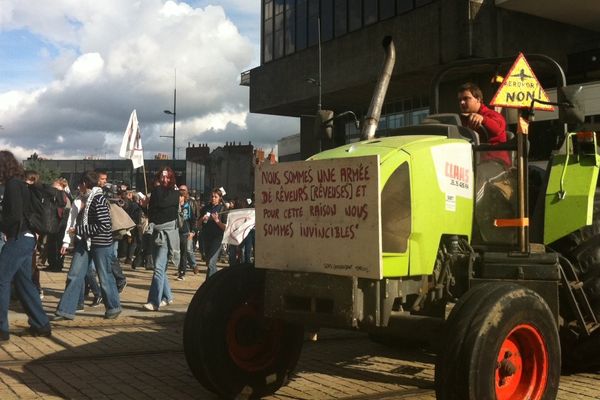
[{"x": 577, "y": 298}]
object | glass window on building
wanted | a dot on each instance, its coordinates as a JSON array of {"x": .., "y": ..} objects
[
  {"x": 290, "y": 26},
  {"x": 417, "y": 116},
  {"x": 268, "y": 31},
  {"x": 279, "y": 32},
  {"x": 370, "y": 10},
  {"x": 341, "y": 17},
  {"x": 395, "y": 121},
  {"x": 403, "y": 6},
  {"x": 326, "y": 20},
  {"x": 301, "y": 24},
  {"x": 313, "y": 27},
  {"x": 354, "y": 15},
  {"x": 387, "y": 8},
  {"x": 382, "y": 123}
]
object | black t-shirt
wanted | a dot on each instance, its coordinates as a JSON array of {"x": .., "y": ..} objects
[
  {"x": 210, "y": 229},
  {"x": 164, "y": 205}
]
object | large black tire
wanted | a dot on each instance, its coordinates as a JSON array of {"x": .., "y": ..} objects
[
  {"x": 193, "y": 348},
  {"x": 582, "y": 248},
  {"x": 231, "y": 348},
  {"x": 501, "y": 343}
]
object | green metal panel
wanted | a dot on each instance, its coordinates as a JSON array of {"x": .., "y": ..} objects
[
  {"x": 570, "y": 194},
  {"x": 432, "y": 214}
]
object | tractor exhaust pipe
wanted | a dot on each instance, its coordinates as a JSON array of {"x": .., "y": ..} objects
[{"x": 372, "y": 118}]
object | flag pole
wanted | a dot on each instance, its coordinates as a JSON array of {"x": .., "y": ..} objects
[{"x": 145, "y": 181}]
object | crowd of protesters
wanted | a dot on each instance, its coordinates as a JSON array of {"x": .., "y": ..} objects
[{"x": 169, "y": 225}]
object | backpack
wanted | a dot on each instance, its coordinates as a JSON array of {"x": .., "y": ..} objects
[
  {"x": 121, "y": 221},
  {"x": 46, "y": 209}
]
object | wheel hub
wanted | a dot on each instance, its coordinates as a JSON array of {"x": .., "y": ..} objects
[
  {"x": 253, "y": 341},
  {"x": 522, "y": 365}
]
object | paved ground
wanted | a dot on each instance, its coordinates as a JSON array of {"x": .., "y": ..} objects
[{"x": 140, "y": 356}]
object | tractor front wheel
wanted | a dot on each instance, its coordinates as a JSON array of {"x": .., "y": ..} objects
[
  {"x": 502, "y": 343},
  {"x": 231, "y": 347}
]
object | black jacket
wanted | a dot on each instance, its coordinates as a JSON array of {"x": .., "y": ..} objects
[{"x": 15, "y": 205}]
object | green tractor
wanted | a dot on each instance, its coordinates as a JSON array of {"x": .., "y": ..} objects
[{"x": 414, "y": 237}]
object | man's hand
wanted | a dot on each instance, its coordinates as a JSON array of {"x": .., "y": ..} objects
[
  {"x": 191, "y": 236},
  {"x": 63, "y": 250},
  {"x": 475, "y": 121}
]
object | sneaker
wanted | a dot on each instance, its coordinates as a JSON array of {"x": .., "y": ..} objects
[
  {"x": 122, "y": 287},
  {"x": 181, "y": 277},
  {"x": 196, "y": 270},
  {"x": 41, "y": 294},
  {"x": 57, "y": 318},
  {"x": 164, "y": 303},
  {"x": 40, "y": 332},
  {"x": 149, "y": 307},
  {"x": 80, "y": 307},
  {"x": 112, "y": 316},
  {"x": 97, "y": 301},
  {"x": 127, "y": 260}
]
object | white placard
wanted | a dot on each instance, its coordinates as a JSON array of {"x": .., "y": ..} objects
[{"x": 319, "y": 216}]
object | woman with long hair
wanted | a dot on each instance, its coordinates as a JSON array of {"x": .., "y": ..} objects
[
  {"x": 213, "y": 227},
  {"x": 16, "y": 255},
  {"x": 162, "y": 214}
]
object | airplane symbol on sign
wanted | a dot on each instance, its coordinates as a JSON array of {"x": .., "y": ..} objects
[{"x": 522, "y": 75}]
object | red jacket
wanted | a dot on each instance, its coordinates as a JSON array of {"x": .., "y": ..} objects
[{"x": 495, "y": 125}]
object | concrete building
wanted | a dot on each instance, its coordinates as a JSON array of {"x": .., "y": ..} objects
[
  {"x": 428, "y": 34},
  {"x": 230, "y": 166}
]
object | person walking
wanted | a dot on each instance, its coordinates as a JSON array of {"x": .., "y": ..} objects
[
  {"x": 213, "y": 227},
  {"x": 116, "y": 269},
  {"x": 16, "y": 255},
  {"x": 163, "y": 211},
  {"x": 90, "y": 281},
  {"x": 93, "y": 231},
  {"x": 186, "y": 232}
]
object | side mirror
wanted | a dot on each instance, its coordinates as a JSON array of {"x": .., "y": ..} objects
[
  {"x": 571, "y": 109},
  {"x": 324, "y": 124}
]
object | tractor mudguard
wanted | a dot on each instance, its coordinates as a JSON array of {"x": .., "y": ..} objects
[{"x": 569, "y": 198}]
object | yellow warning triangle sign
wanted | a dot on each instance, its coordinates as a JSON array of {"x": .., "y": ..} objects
[{"x": 520, "y": 87}]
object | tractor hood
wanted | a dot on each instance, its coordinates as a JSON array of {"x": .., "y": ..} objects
[{"x": 384, "y": 147}]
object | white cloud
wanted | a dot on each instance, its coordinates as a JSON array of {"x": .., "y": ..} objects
[{"x": 109, "y": 57}]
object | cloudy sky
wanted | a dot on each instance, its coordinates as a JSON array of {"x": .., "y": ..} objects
[{"x": 71, "y": 72}]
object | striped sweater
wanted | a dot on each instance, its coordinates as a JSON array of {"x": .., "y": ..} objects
[{"x": 99, "y": 226}]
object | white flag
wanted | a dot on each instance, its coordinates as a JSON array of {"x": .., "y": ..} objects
[
  {"x": 239, "y": 223},
  {"x": 132, "y": 142}
]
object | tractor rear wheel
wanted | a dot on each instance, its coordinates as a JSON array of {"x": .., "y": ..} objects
[
  {"x": 502, "y": 343},
  {"x": 236, "y": 350}
]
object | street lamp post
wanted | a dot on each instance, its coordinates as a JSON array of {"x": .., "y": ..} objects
[{"x": 174, "y": 114}]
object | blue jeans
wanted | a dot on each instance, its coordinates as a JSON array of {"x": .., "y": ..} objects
[
  {"x": 186, "y": 249},
  {"x": 247, "y": 245},
  {"x": 91, "y": 282},
  {"x": 15, "y": 266},
  {"x": 115, "y": 266},
  {"x": 213, "y": 251},
  {"x": 159, "y": 288},
  {"x": 102, "y": 257}
]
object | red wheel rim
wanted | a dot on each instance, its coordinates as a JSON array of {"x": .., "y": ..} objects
[
  {"x": 252, "y": 340},
  {"x": 522, "y": 365}
]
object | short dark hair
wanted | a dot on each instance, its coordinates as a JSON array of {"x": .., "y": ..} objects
[
  {"x": 473, "y": 88},
  {"x": 89, "y": 179}
]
